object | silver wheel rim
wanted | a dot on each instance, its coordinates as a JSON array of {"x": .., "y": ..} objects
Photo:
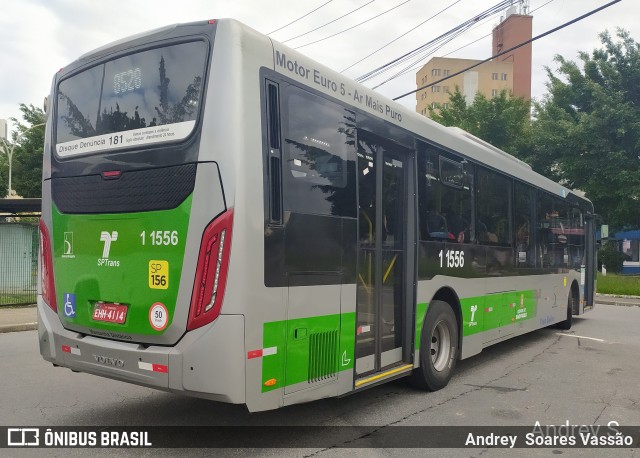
[{"x": 440, "y": 346}]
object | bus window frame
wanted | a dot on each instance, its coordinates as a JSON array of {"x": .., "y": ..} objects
[{"x": 106, "y": 57}]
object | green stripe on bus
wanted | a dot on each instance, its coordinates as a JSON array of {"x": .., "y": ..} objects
[
  {"x": 308, "y": 349},
  {"x": 421, "y": 310},
  {"x": 484, "y": 313}
]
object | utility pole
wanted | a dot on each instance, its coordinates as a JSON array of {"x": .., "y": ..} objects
[{"x": 8, "y": 148}]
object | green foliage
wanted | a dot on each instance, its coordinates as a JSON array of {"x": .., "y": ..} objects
[
  {"x": 27, "y": 155},
  {"x": 609, "y": 255},
  {"x": 587, "y": 129},
  {"x": 502, "y": 121},
  {"x": 585, "y": 133}
]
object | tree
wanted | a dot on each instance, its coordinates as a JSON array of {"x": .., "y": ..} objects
[
  {"x": 587, "y": 129},
  {"x": 503, "y": 121},
  {"x": 27, "y": 154}
]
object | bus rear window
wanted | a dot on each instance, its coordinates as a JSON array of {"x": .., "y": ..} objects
[{"x": 140, "y": 99}]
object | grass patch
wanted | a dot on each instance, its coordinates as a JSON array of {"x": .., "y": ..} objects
[
  {"x": 628, "y": 285},
  {"x": 17, "y": 299}
]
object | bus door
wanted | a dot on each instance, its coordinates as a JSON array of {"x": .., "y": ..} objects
[
  {"x": 590, "y": 263},
  {"x": 382, "y": 254}
]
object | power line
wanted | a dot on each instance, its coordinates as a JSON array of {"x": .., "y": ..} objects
[
  {"x": 422, "y": 54},
  {"x": 396, "y": 39},
  {"x": 531, "y": 40},
  {"x": 417, "y": 63},
  {"x": 490, "y": 33},
  {"x": 423, "y": 48},
  {"x": 330, "y": 22},
  {"x": 353, "y": 27},
  {"x": 418, "y": 60},
  {"x": 301, "y": 17}
]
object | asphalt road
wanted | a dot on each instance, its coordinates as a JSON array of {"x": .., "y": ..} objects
[{"x": 588, "y": 375}]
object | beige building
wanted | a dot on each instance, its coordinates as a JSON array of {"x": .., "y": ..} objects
[
  {"x": 511, "y": 71},
  {"x": 489, "y": 79}
]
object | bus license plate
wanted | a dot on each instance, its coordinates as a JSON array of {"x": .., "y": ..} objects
[{"x": 111, "y": 313}]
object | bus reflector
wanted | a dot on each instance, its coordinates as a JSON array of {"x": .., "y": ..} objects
[
  {"x": 254, "y": 354},
  {"x": 153, "y": 367},
  {"x": 270, "y": 382},
  {"x": 211, "y": 272},
  {"x": 72, "y": 350},
  {"x": 212, "y": 21},
  {"x": 46, "y": 268},
  {"x": 111, "y": 174}
]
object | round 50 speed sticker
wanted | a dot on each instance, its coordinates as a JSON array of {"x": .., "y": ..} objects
[{"x": 158, "y": 316}]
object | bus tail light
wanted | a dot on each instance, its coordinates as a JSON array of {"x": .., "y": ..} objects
[
  {"x": 46, "y": 268},
  {"x": 211, "y": 272}
]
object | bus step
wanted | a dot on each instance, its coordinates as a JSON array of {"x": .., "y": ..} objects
[{"x": 383, "y": 376}]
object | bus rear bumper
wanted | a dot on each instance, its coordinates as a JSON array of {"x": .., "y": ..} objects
[{"x": 206, "y": 363}]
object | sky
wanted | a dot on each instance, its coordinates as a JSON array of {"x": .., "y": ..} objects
[{"x": 38, "y": 37}]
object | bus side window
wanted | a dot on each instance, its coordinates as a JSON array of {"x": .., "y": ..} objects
[
  {"x": 545, "y": 214},
  {"x": 319, "y": 155},
  {"x": 444, "y": 196},
  {"x": 523, "y": 208},
  {"x": 576, "y": 238},
  {"x": 493, "y": 204}
]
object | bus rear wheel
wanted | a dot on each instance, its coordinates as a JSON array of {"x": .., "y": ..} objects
[
  {"x": 571, "y": 302},
  {"x": 438, "y": 348}
]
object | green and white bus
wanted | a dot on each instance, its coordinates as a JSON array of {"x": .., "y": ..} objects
[{"x": 226, "y": 218}]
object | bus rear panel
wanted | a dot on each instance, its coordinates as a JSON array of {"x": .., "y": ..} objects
[{"x": 136, "y": 230}]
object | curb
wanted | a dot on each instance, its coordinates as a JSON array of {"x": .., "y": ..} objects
[
  {"x": 618, "y": 303},
  {"x": 617, "y": 299},
  {"x": 19, "y": 327}
]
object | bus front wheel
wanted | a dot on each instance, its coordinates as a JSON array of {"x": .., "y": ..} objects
[{"x": 438, "y": 348}]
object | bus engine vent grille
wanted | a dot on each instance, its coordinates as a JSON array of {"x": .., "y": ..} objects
[{"x": 323, "y": 359}]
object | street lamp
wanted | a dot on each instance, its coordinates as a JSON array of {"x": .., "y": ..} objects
[{"x": 9, "y": 150}]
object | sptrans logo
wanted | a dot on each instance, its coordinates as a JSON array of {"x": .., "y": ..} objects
[
  {"x": 108, "y": 239},
  {"x": 472, "y": 321}
]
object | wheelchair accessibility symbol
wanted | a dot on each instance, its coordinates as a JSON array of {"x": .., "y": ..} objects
[{"x": 69, "y": 305}]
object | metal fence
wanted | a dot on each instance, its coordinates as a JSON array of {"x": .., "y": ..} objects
[{"x": 18, "y": 262}]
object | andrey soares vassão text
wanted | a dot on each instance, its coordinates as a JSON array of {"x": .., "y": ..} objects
[{"x": 557, "y": 436}]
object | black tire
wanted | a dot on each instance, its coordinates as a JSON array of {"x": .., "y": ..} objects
[
  {"x": 571, "y": 301},
  {"x": 438, "y": 348}
]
